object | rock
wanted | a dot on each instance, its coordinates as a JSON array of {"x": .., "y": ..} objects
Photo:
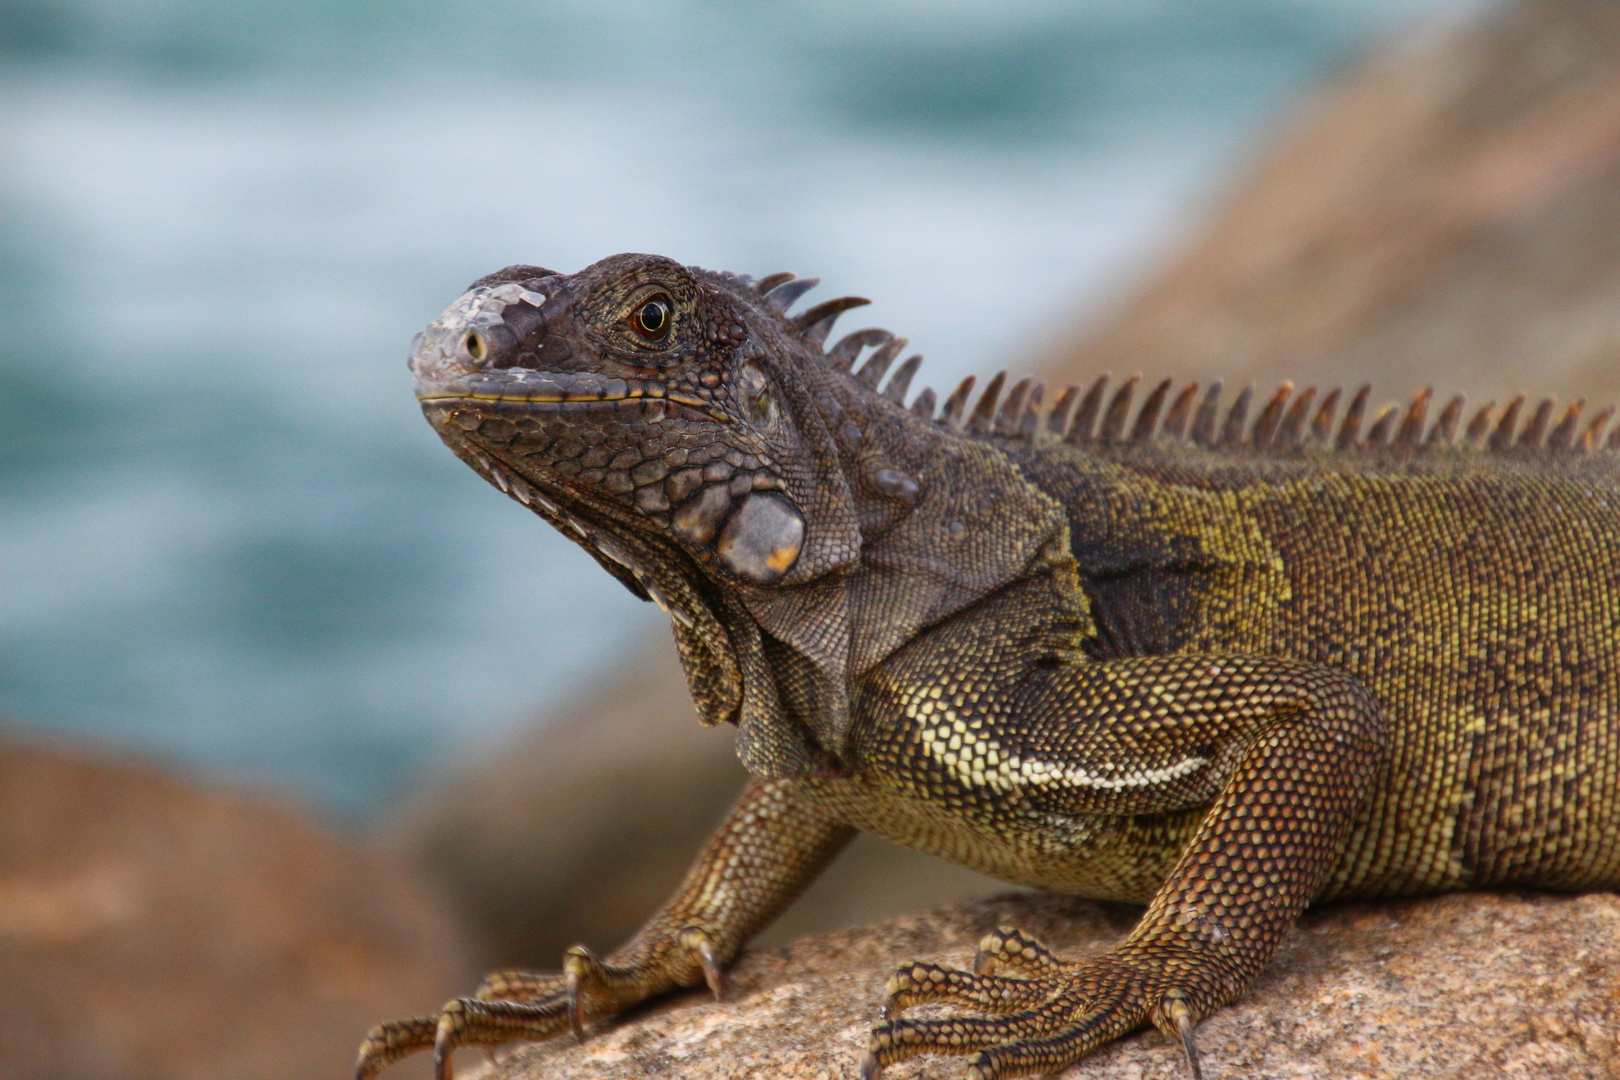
[
  {"x": 1445, "y": 214},
  {"x": 1467, "y": 985},
  {"x": 577, "y": 830},
  {"x": 149, "y": 929}
]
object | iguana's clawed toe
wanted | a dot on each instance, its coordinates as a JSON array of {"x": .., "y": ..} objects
[
  {"x": 930, "y": 984},
  {"x": 389, "y": 1042},
  {"x": 580, "y": 965},
  {"x": 1015, "y": 950},
  {"x": 1063, "y": 1012},
  {"x": 700, "y": 944},
  {"x": 468, "y": 1022}
]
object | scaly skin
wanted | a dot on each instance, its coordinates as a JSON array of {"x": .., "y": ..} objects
[{"x": 1226, "y": 675}]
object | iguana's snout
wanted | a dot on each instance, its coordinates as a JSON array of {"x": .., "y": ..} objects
[{"x": 496, "y": 326}]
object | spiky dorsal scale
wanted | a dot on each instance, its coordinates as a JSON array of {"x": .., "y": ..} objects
[
  {"x": 1322, "y": 422},
  {"x": 1292, "y": 431},
  {"x": 1203, "y": 428},
  {"x": 1057, "y": 421},
  {"x": 1445, "y": 428},
  {"x": 1175, "y": 421},
  {"x": 1350, "y": 430},
  {"x": 1147, "y": 421},
  {"x": 771, "y": 281},
  {"x": 1562, "y": 436},
  {"x": 1266, "y": 424},
  {"x": 900, "y": 381},
  {"x": 1012, "y": 409},
  {"x": 1030, "y": 419},
  {"x": 1232, "y": 430},
  {"x": 815, "y": 324},
  {"x": 951, "y": 414},
  {"x": 923, "y": 404},
  {"x": 871, "y": 372},
  {"x": 1383, "y": 424},
  {"x": 982, "y": 422},
  {"x": 1410, "y": 433},
  {"x": 843, "y": 354},
  {"x": 782, "y": 296},
  {"x": 1080, "y": 432},
  {"x": 1480, "y": 424},
  {"x": 1502, "y": 434},
  {"x": 1589, "y": 437},
  {"x": 1531, "y": 436},
  {"x": 1119, "y": 407}
]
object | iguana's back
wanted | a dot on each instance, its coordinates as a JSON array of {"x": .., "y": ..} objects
[{"x": 1474, "y": 589}]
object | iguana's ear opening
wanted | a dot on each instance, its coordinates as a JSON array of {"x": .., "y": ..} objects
[{"x": 814, "y": 510}]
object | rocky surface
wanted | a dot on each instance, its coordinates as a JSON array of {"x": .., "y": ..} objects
[
  {"x": 1462, "y": 986},
  {"x": 151, "y": 929}
]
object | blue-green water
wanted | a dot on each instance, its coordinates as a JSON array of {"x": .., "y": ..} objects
[{"x": 227, "y": 539}]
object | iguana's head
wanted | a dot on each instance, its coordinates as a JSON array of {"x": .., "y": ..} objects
[
  {"x": 696, "y": 439},
  {"x": 643, "y": 398}
]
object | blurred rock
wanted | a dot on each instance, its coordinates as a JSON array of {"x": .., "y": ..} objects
[
  {"x": 149, "y": 929},
  {"x": 1447, "y": 213},
  {"x": 1462, "y": 986},
  {"x": 579, "y": 829}
]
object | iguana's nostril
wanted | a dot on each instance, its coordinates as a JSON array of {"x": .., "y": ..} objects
[{"x": 492, "y": 345}]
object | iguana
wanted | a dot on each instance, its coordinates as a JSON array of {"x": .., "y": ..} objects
[{"x": 1168, "y": 656}]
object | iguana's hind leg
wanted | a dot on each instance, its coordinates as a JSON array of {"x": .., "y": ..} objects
[
  {"x": 769, "y": 847},
  {"x": 1301, "y": 743}
]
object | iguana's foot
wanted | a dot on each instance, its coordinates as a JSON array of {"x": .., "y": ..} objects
[
  {"x": 1051, "y": 1013},
  {"x": 520, "y": 1005}
]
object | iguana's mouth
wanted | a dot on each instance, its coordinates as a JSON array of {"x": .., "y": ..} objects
[{"x": 520, "y": 385}]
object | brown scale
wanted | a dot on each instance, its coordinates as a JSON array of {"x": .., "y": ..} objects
[{"x": 1102, "y": 680}]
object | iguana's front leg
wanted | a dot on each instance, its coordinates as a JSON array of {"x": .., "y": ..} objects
[
  {"x": 1281, "y": 752},
  {"x": 769, "y": 847}
]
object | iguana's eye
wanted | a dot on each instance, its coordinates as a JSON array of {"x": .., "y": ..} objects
[
  {"x": 651, "y": 320},
  {"x": 756, "y": 393}
]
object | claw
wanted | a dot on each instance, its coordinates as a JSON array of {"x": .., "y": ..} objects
[
  {"x": 1173, "y": 1012},
  {"x": 444, "y": 1039},
  {"x": 697, "y": 941},
  {"x": 578, "y": 962}
]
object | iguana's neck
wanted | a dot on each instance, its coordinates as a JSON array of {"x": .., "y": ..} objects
[{"x": 946, "y": 518}]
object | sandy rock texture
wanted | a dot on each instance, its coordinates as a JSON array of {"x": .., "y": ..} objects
[
  {"x": 152, "y": 929},
  {"x": 1464, "y": 986}
]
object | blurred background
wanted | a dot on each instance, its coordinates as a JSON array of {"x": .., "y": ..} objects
[
  {"x": 229, "y": 539},
  {"x": 245, "y": 593}
]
